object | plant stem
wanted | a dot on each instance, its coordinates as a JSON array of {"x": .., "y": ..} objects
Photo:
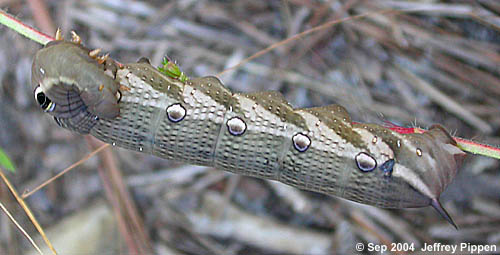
[
  {"x": 24, "y": 29},
  {"x": 478, "y": 148}
]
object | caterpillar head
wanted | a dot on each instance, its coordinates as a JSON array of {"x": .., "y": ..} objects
[{"x": 75, "y": 86}]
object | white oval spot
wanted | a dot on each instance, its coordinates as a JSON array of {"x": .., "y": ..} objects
[
  {"x": 365, "y": 162},
  {"x": 176, "y": 112},
  {"x": 301, "y": 142},
  {"x": 236, "y": 126}
]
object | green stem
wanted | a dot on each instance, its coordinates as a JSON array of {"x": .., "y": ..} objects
[
  {"x": 472, "y": 147},
  {"x": 478, "y": 148},
  {"x": 24, "y": 29}
]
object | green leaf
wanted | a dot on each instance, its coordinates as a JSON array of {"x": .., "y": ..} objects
[{"x": 5, "y": 162}]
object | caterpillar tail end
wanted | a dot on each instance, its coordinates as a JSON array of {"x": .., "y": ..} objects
[{"x": 439, "y": 208}]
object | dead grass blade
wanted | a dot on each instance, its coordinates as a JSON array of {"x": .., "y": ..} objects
[
  {"x": 79, "y": 162},
  {"x": 20, "y": 228},
  {"x": 28, "y": 212},
  {"x": 130, "y": 222},
  {"x": 304, "y": 33}
]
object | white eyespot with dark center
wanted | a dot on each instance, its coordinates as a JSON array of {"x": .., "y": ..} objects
[
  {"x": 301, "y": 142},
  {"x": 176, "y": 112},
  {"x": 236, "y": 126},
  {"x": 44, "y": 102},
  {"x": 365, "y": 162}
]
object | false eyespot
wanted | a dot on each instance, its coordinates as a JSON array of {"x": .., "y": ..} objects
[
  {"x": 301, "y": 142},
  {"x": 45, "y": 103},
  {"x": 236, "y": 126},
  {"x": 176, "y": 113},
  {"x": 365, "y": 162}
]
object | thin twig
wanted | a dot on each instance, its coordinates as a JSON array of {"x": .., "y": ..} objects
[
  {"x": 121, "y": 195},
  {"x": 304, "y": 33},
  {"x": 27, "y": 211},
  {"x": 79, "y": 162},
  {"x": 20, "y": 228},
  {"x": 115, "y": 205}
]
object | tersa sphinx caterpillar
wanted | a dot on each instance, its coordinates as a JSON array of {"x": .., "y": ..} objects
[{"x": 200, "y": 121}]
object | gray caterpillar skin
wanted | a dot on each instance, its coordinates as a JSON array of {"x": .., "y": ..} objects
[{"x": 256, "y": 134}]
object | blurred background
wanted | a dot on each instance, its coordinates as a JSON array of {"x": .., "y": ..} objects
[{"x": 438, "y": 63}]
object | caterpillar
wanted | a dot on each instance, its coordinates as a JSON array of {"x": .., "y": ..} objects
[{"x": 200, "y": 121}]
